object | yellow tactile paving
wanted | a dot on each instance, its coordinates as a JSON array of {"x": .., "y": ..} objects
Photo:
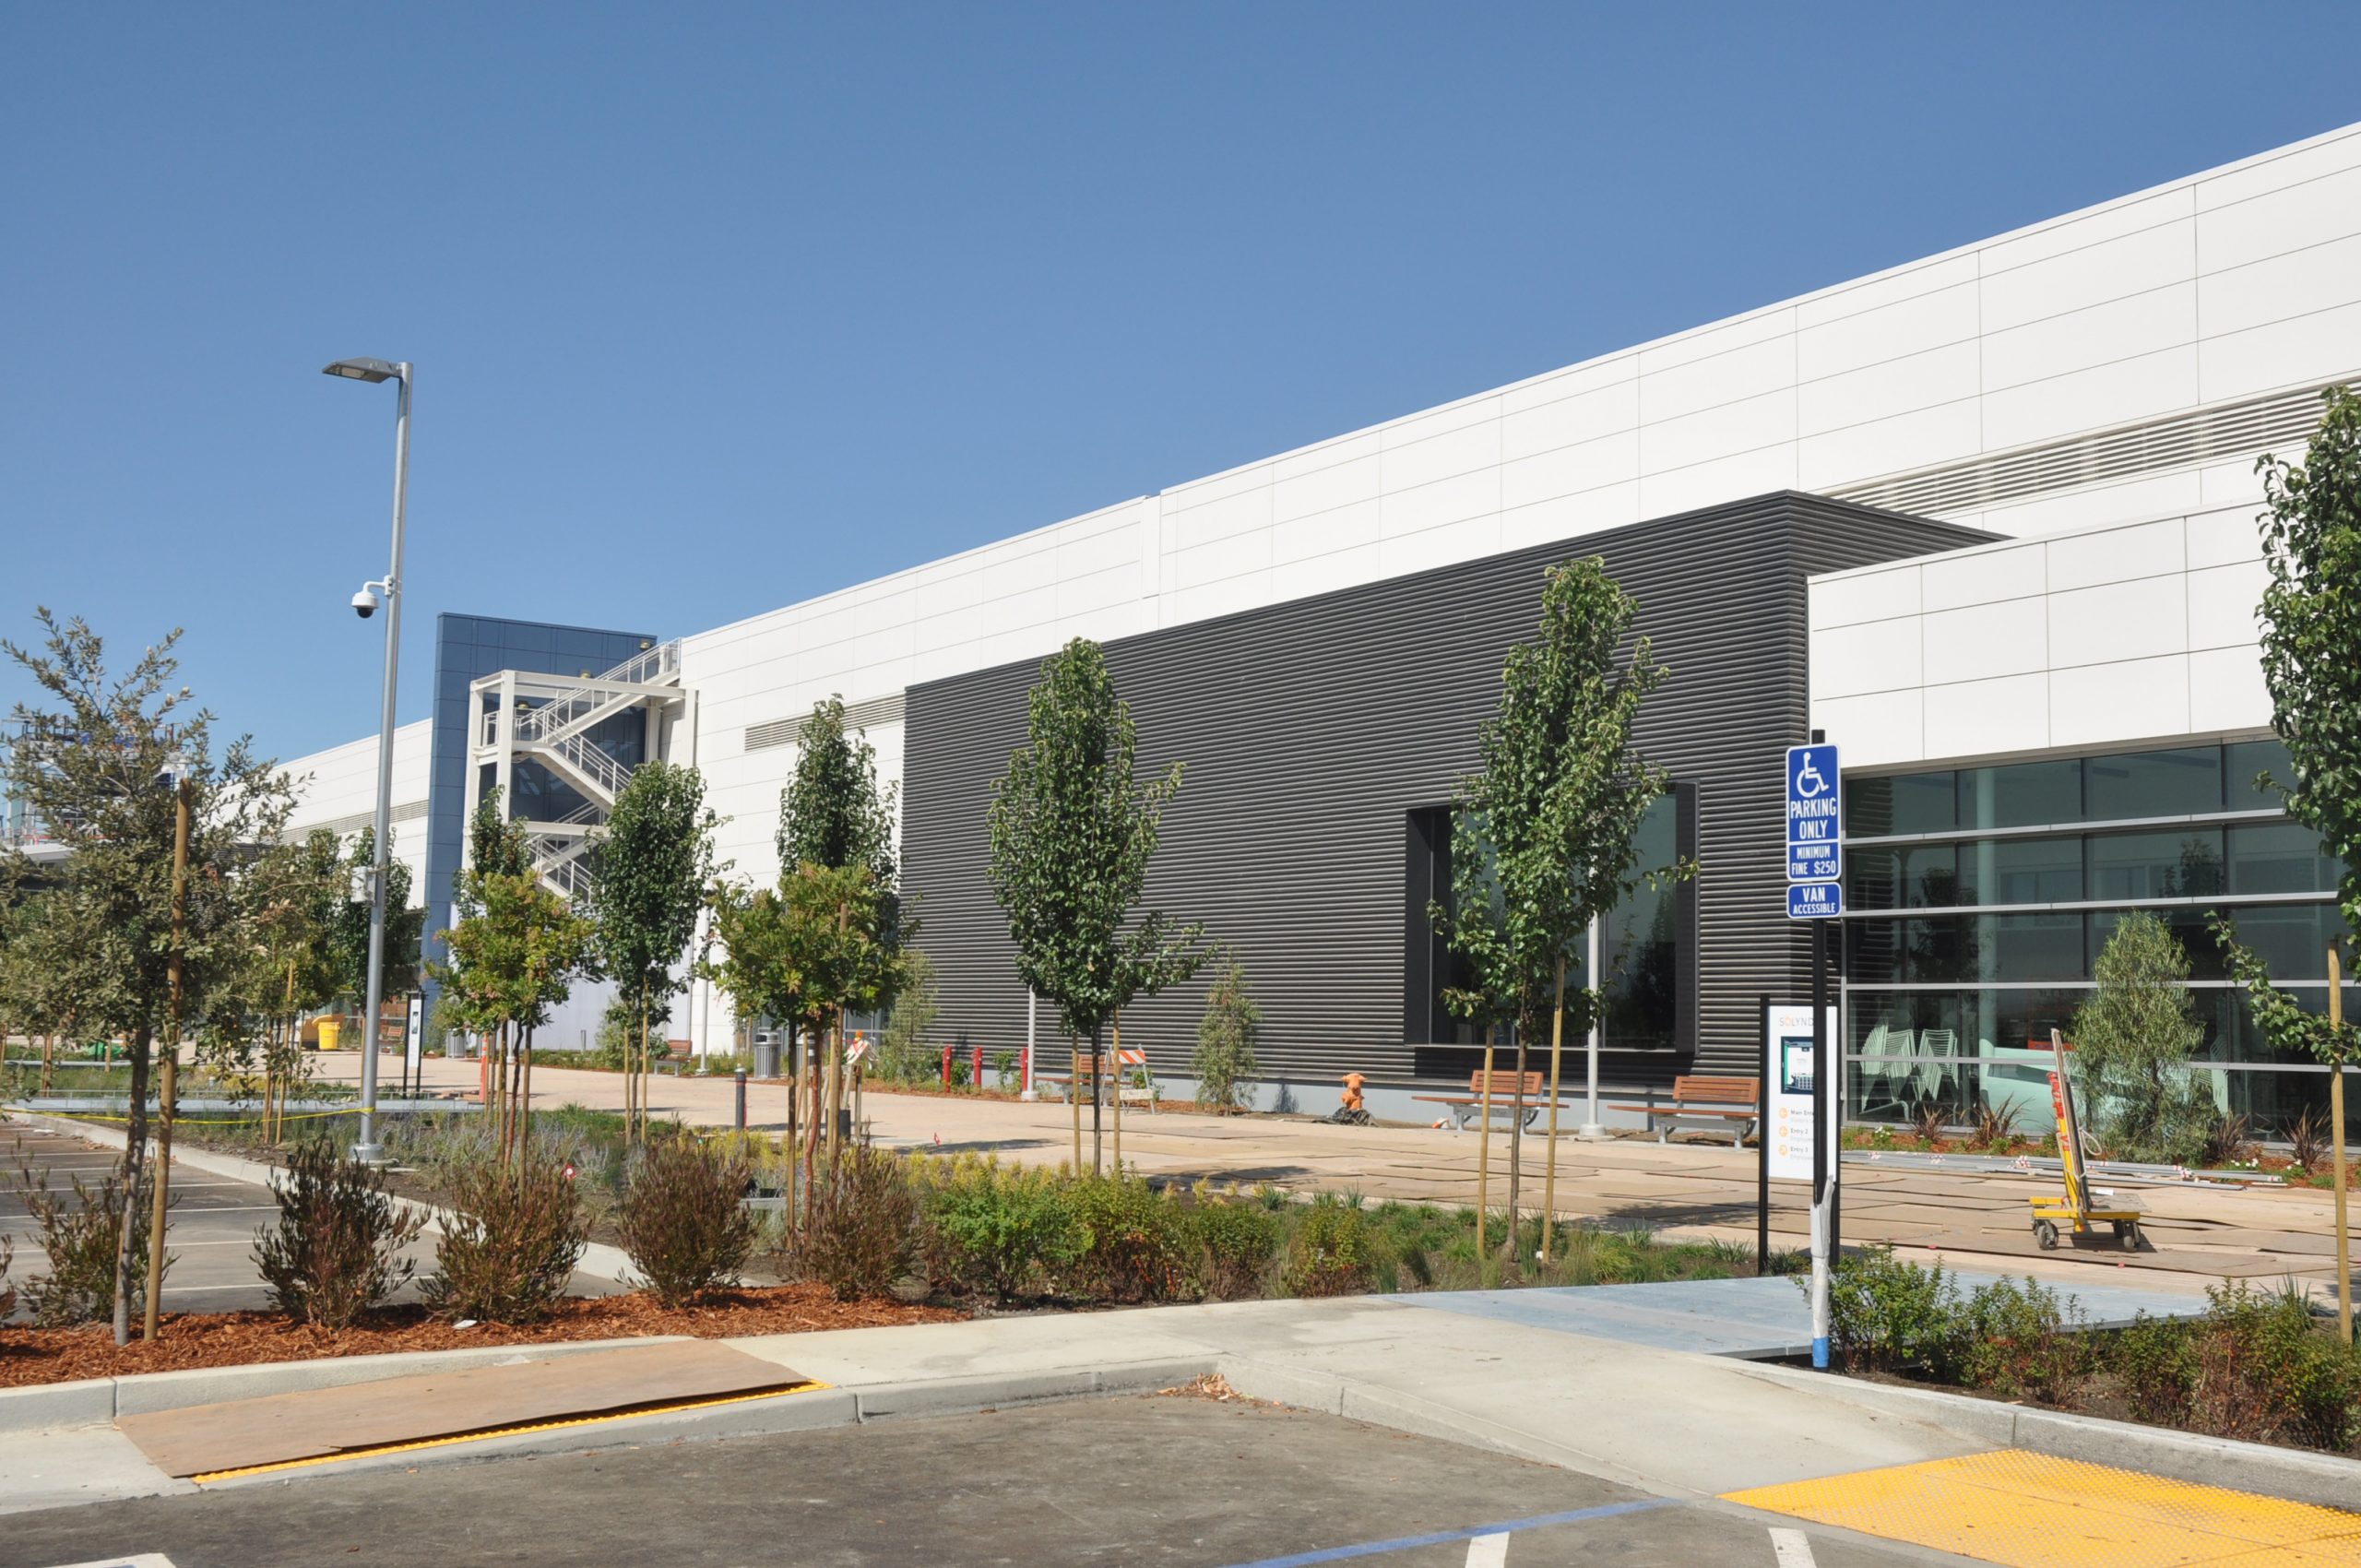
[{"x": 2034, "y": 1511}]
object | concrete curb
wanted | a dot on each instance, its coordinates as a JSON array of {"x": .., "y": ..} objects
[
  {"x": 94, "y": 1401},
  {"x": 599, "y": 1259},
  {"x": 2299, "y": 1474}
]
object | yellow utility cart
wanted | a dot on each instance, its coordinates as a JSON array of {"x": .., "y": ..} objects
[{"x": 2072, "y": 1215}]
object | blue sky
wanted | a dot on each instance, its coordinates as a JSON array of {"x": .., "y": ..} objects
[{"x": 818, "y": 292}]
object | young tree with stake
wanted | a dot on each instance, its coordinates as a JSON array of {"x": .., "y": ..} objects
[
  {"x": 1072, "y": 834},
  {"x": 652, "y": 867},
  {"x": 1544, "y": 835}
]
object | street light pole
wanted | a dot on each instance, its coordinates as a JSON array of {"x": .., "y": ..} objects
[{"x": 367, "y": 1149}]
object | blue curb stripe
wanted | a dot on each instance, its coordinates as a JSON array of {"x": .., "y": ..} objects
[{"x": 1442, "y": 1538}]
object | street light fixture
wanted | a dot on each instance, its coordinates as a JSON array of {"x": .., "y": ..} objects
[{"x": 368, "y": 1148}]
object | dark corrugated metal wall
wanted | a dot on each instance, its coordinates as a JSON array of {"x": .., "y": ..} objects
[{"x": 1311, "y": 729}]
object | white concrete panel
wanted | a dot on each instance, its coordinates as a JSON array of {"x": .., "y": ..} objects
[
  {"x": 1222, "y": 558},
  {"x": 1569, "y": 421},
  {"x": 1086, "y": 553},
  {"x": 2084, "y": 230},
  {"x": 1445, "y": 455},
  {"x": 2103, "y": 394},
  {"x": 1716, "y": 433},
  {"x": 1327, "y": 455},
  {"x": 1906, "y": 283},
  {"x": 2114, "y": 555},
  {"x": 2076, "y": 279},
  {"x": 2097, "y": 505},
  {"x": 1322, "y": 490},
  {"x": 1218, "y": 487},
  {"x": 1411, "y": 429},
  {"x": 1875, "y": 731},
  {"x": 1872, "y": 337},
  {"x": 1404, "y": 553},
  {"x": 1847, "y": 599},
  {"x": 1614, "y": 460},
  {"x": 1704, "y": 342},
  {"x": 2117, "y": 621},
  {"x": 1877, "y": 656},
  {"x": 2227, "y": 690},
  {"x": 1236, "y": 513},
  {"x": 1980, "y": 575},
  {"x": 2009, "y": 637},
  {"x": 1719, "y": 379},
  {"x": 2321, "y": 347},
  {"x": 1009, "y": 570},
  {"x": 2119, "y": 329},
  {"x": 1573, "y": 381},
  {"x": 2232, "y": 483},
  {"x": 1947, "y": 433},
  {"x": 2324, "y": 154},
  {"x": 947, "y": 628},
  {"x": 1299, "y": 539},
  {"x": 1892, "y": 386},
  {"x": 2135, "y": 699},
  {"x": 2223, "y": 538},
  {"x": 1567, "y": 517},
  {"x": 1324, "y": 574},
  {"x": 2222, "y": 604},
  {"x": 1727, "y": 478},
  {"x": 2298, "y": 283},
  {"x": 1445, "y": 501},
  {"x": 2278, "y": 222},
  {"x": 1984, "y": 718}
]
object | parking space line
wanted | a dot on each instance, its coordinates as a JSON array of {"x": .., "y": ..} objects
[
  {"x": 1444, "y": 1538},
  {"x": 1791, "y": 1548},
  {"x": 1489, "y": 1551}
]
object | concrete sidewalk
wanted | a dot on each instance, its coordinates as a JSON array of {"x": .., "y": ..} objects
[{"x": 2199, "y": 1235}]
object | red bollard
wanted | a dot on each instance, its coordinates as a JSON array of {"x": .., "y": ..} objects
[
  {"x": 976, "y": 1068},
  {"x": 946, "y": 1066}
]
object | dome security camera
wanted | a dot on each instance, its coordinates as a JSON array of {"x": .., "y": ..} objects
[{"x": 364, "y": 603}]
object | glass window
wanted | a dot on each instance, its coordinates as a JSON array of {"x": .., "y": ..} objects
[
  {"x": 2173, "y": 864},
  {"x": 2193, "y": 927},
  {"x": 1912, "y": 802},
  {"x": 2280, "y": 857},
  {"x": 2024, "y": 794},
  {"x": 1639, "y": 945},
  {"x": 2020, "y": 871},
  {"x": 2291, "y": 939},
  {"x": 1874, "y": 951},
  {"x": 2175, "y": 783},
  {"x": 1869, "y": 878},
  {"x": 1920, "y": 877},
  {"x": 1938, "y": 950},
  {"x": 2031, "y": 948},
  {"x": 2242, "y": 762}
]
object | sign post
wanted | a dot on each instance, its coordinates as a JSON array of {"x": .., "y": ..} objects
[
  {"x": 1816, "y": 893},
  {"x": 413, "y": 1043}
]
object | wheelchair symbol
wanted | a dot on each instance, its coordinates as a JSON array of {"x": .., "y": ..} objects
[{"x": 1809, "y": 780}]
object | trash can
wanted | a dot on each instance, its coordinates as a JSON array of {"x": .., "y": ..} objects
[
  {"x": 767, "y": 1057},
  {"x": 329, "y": 1030}
]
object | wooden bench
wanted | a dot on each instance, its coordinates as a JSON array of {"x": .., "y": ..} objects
[
  {"x": 1507, "y": 1092},
  {"x": 675, "y": 1056},
  {"x": 1714, "y": 1105},
  {"x": 1137, "y": 1094}
]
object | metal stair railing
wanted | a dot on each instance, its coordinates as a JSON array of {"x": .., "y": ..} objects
[{"x": 653, "y": 668}]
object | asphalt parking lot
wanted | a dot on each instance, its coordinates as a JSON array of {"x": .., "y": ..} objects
[{"x": 1166, "y": 1480}]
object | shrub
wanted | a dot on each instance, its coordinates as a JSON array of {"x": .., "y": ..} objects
[
  {"x": 1139, "y": 1247},
  {"x": 1236, "y": 1243},
  {"x": 2307, "y": 1141},
  {"x": 1885, "y": 1314},
  {"x": 337, "y": 1249},
  {"x": 511, "y": 1243},
  {"x": 995, "y": 1226},
  {"x": 2021, "y": 1341},
  {"x": 79, "y": 1235},
  {"x": 1333, "y": 1251},
  {"x": 2132, "y": 1042},
  {"x": 1225, "y": 1062},
  {"x": 859, "y": 1227},
  {"x": 902, "y": 1050},
  {"x": 2268, "y": 1372},
  {"x": 2156, "y": 1362},
  {"x": 681, "y": 1220},
  {"x": 7, "y": 1292}
]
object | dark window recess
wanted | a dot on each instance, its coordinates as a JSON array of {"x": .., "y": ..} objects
[
  {"x": 2020, "y": 871},
  {"x": 1909, "y": 802},
  {"x": 2279, "y": 858},
  {"x": 2176, "y": 863},
  {"x": 2245, "y": 764},
  {"x": 1426, "y": 961},
  {"x": 2176, "y": 783},
  {"x": 2024, "y": 794}
]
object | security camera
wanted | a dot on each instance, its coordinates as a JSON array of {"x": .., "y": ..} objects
[{"x": 364, "y": 603}]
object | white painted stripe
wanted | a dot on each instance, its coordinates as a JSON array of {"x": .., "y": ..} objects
[
  {"x": 1488, "y": 1551},
  {"x": 1791, "y": 1548}
]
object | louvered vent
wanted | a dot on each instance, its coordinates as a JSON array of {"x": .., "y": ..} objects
[
  {"x": 858, "y": 716},
  {"x": 409, "y": 812},
  {"x": 2281, "y": 420}
]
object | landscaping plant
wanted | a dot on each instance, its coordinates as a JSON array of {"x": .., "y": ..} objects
[
  {"x": 82, "y": 1237},
  {"x": 2266, "y": 1373},
  {"x": 2132, "y": 1042},
  {"x": 1001, "y": 1228},
  {"x": 649, "y": 873},
  {"x": 336, "y": 1251},
  {"x": 681, "y": 1220},
  {"x": 1334, "y": 1250},
  {"x": 1139, "y": 1245},
  {"x": 1236, "y": 1242},
  {"x": 510, "y": 1246},
  {"x": 2021, "y": 1341},
  {"x": 1225, "y": 1062},
  {"x": 859, "y": 1231}
]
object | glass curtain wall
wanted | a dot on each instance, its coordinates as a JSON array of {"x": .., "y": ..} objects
[{"x": 1979, "y": 899}]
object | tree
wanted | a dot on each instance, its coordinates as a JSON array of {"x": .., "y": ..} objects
[
  {"x": 1225, "y": 1063},
  {"x": 348, "y": 926},
  {"x": 653, "y": 866},
  {"x": 2132, "y": 1042},
  {"x": 99, "y": 765},
  {"x": 1543, "y": 839},
  {"x": 515, "y": 953},
  {"x": 2311, "y": 663},
  {"x": 1071, "y": 835}
]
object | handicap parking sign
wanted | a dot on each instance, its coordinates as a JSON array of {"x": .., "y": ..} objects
[{"x": 1813, "y": 796}]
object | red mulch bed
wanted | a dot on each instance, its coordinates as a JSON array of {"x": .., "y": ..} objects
[{"x": 223, "y": 1339}]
